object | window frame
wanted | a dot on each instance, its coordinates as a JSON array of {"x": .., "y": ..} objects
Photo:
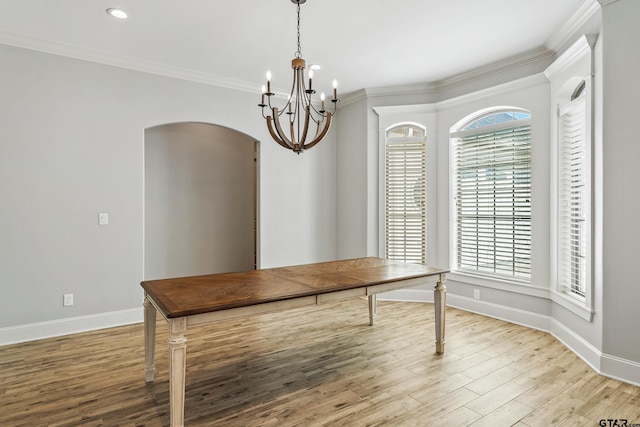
[
  {"x": 465, "y": 128},
  {"x": 419, "y": 144},
  {"x": 389, "y": 116},
  {"x": 566, "y": 74},
  {"x": 581, "y": 306}
]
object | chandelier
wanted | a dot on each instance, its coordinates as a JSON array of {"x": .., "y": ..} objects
[{"x": 302, "y": 120}]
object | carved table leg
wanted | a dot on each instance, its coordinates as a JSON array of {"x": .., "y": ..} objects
[
  {"x": 440, "y": 300},
  {"x": 177, "y": 369},
  {"x": 149, "y": 339},
  {"x": 373, "y": 307}
]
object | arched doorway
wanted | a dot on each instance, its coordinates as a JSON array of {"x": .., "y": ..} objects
[{"x": 200, "y": 200}]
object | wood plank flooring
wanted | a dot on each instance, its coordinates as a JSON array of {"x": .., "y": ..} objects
[{"x": 321, "y": 366}]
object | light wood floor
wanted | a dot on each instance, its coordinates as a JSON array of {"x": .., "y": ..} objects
[{"x": 316, "y": 367}]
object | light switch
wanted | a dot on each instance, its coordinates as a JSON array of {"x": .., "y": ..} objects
[
  {"x": 103, "y": 219},
  {"x": 67, "y": 300}
]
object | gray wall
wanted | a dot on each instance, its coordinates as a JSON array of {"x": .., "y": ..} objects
[
  {"x": 72, "y": 145},
  {"x": 621, "y": 38},
  {"x": 200, "y": 192}
]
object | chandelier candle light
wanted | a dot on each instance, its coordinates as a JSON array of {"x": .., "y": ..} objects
[{"x": 299, "y": 109}]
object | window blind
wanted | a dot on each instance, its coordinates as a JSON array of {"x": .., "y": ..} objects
[
  {"x": 573, "y": 203},
  {"x": 405, "y": 199},
  {"x": 492, "y": 199}
]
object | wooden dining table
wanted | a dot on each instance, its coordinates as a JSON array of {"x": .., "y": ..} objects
[{"x": 197, "y": 300}]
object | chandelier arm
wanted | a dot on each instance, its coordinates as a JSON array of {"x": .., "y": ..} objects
[
  {"x": 293, "y": 134},
  {"x": 302, "y": 106},
  {"x": 286, "y": 142},
  {"x": 321, "y": 135},
  {"x": 318, "y": 129},
  {"x": 323, "y": 113},
  {"x": 314, "y": 109},
  {"x": 292, "y": 92},
  {"x": 308, "y": 104},
  {"x": 305, "y": 129},
  {"x": 274, "y": 135}
]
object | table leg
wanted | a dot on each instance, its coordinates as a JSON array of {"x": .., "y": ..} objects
[
  {"x": 440, "y": 299},
  {"x": 177, "y": 369},
  {"x": 373, "y": 307},
  {"x": 149, "y": 339}
]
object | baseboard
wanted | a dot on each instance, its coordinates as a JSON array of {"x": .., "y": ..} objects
[
  {"x": 71, "y": 325},
  {"x": 520, "y": 317},
  {"x": 587, "y": 352},
  {"x": 620, "y": 369},
  {"x": 610, "y": 366},
  {"x": 497, "y": 311}
]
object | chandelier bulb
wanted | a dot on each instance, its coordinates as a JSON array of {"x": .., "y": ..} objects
[
  {"x": 263, "y": 89},
  {"x": 269, "y": 83}
]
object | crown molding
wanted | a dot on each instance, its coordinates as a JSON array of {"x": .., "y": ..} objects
[
  {"x": 584, "y": 13},
  {"x": 76, "y": 52},
  {"x": 487, "y": 71},
  {"x": 504, "y": 88},
  {"x": 405, "y": 109},
  {"x": 583, "y": 46},
  {"x": 603, "y": 3},
  {"x": 415, "y": 89},
  {"x": 495, "y": 68},
  {"x": 353, "y": 97}
]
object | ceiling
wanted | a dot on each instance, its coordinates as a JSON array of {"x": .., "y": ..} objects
[{"x": 361, "y": 43}]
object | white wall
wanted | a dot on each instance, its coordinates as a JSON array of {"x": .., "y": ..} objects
[{"x": 71, "y": 146}]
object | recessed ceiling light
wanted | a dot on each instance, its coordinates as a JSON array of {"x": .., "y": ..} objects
[
  {"x": 117, "y": 13},
  {"x": 315, "y": 66}
]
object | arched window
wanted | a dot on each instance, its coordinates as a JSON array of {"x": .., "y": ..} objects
[
  {"x": 405, "y": 193},
  {"x": 491, "y": 186}
]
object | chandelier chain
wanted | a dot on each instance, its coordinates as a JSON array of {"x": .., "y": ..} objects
[{"x": 299, "y": 51}]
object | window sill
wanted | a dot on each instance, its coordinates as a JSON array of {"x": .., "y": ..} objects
[
  {"x": 499, "y": 283},
  {"x": 573, "y": 305}
]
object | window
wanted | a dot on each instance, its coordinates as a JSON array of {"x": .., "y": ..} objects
[
  {"x": 573, "y": 196},
  {"x": 576, "y": 179},
  {"x": 405, "y": 194},
  {"x": 491, "y": 186}
]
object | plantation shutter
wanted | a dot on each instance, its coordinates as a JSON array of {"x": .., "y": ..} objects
[
  {"x": 492, "y": 191},
  {"x": 405, "y": 207},
  {"x": 573, "y": 199}
]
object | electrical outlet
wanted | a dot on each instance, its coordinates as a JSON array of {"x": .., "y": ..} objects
[
  {"x": 67, "y": 300},
  {"x": 476, "y": 294}
]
